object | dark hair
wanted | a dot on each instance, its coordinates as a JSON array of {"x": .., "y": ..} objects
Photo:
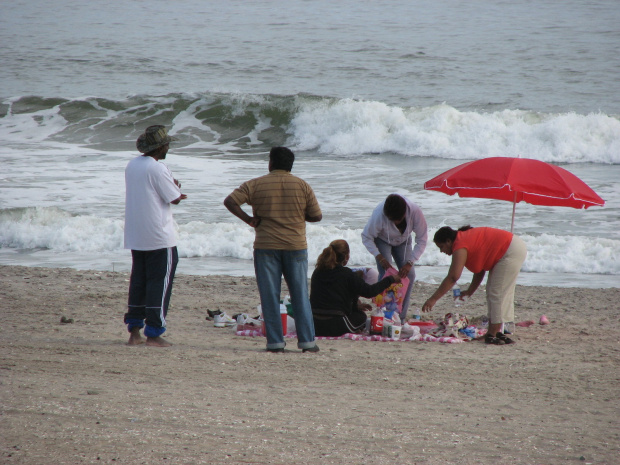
[
  {"x": 336, "y": 252},
  {"x": 281, "y": 158},
  {"x": 446, "y": 234},
  {"x": 394, "y": 207}
]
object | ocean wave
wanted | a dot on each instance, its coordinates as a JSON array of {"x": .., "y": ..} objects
[
  {"x": 58, "y": 231},
  {"x": 248, "y": 123}
]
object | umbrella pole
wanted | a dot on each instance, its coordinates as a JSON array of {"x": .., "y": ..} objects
[{"x": 514, "y": 206}]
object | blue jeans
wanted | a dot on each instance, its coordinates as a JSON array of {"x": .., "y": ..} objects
[
  {"x": 269, "y": 266},
  {"x": 399, "y": 254}
]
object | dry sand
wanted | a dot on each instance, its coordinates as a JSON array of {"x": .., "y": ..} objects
[{"x": 75, "y": 393}]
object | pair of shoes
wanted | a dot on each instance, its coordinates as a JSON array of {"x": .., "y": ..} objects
[
  {"x": 490, "y": 339},
  {"x": 503, "y": 337},
  {"x": 222, "y": 319},
  {"x": 311, "y": 349},
  {"x": 276, "y": 351}
]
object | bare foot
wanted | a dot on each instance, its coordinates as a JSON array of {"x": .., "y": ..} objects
[
  {"x": 157, "y": 342},
  {"x": 135, "y": 338}
]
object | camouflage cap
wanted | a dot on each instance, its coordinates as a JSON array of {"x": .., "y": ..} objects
[{"x": 153, "y": 138}]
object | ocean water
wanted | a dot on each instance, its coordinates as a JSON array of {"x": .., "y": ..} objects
[{"x": 373, "y": 98}]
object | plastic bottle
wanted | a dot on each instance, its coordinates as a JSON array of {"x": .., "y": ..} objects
[
  {"x": 376, "y": 321},
  {"x": 416, "y": 313},
  {"x": 456, "y": 294}
]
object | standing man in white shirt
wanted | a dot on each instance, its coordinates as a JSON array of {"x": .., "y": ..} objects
[
  {"x": 387, "y": 236},
  {"x": 150, "y": 234}
]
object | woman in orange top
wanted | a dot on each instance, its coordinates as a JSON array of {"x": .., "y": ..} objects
[{"x": 480, "y": 250}]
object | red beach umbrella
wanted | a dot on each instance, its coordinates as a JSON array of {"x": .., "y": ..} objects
[{"x": 516, "y": 180}]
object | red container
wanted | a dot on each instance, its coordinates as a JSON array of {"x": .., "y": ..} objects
[
  {"x": 376, "y": 324},
  {"x": 284, "y": 317}
]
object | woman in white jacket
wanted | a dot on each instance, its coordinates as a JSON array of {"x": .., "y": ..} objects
[{"x": 388, "y": 235}]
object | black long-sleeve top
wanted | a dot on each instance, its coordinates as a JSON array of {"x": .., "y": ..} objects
[{"x": 338, "y": 289}]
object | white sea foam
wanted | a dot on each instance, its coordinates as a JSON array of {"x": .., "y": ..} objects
[
  {"x": 61, "y": 232},
  {"x": 226, "y": 123},
  {"x": 32, "y": 127},
  {"x": 350, "y": 127}
]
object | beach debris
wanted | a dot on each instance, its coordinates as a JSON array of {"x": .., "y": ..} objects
[
  {"x": 544, "y": 320},
  {"x": 65, "y": 320},
  {"x": 525, "y": 324}
]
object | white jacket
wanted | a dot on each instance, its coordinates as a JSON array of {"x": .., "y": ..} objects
[{"x": 379, "y": 226}]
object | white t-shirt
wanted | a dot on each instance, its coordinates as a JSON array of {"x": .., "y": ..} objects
[{"x": 149, "y": 188}]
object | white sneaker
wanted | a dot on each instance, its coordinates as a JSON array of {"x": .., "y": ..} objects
[
  {"x": 223, "y": 320},
  {"x": 245, "y": 322}
]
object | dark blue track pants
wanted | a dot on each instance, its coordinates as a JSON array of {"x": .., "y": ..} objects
[{"x": 150, "y": 287}]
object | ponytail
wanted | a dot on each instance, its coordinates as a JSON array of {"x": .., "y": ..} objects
[{"x": 335, "y": 253}]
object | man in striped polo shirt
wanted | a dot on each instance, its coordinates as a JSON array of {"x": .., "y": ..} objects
[{"x": 281, "y": 204}]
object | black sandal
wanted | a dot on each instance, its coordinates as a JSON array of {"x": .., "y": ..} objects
[
  {"x": 501, "y": 336},
  {"x": 490, "y": 339}
]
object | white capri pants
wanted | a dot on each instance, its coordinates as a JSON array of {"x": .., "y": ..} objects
[{"x": 502, "y": 281}]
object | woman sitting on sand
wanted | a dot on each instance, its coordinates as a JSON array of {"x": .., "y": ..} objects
[
  {"x": 480, "y": 250},
  {"x": 335, "y": 290}
]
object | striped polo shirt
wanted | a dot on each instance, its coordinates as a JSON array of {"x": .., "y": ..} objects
[{"x": 282, "y": 201}]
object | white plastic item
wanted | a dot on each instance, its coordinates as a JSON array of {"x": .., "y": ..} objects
[{"x": 290, "y": 325}]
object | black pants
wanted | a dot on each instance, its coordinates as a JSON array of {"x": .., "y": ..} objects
[
  {"x": 334, "y": 326},
  {"x": 150, "y": 287}
]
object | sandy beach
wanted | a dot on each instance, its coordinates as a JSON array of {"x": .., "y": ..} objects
[{"x": 74, "y": 392}]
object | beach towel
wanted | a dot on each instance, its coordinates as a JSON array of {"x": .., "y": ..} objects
[{"x": 364, "y": 337}]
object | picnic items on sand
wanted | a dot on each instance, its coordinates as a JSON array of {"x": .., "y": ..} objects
[{"x": 392, "y": 298}]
